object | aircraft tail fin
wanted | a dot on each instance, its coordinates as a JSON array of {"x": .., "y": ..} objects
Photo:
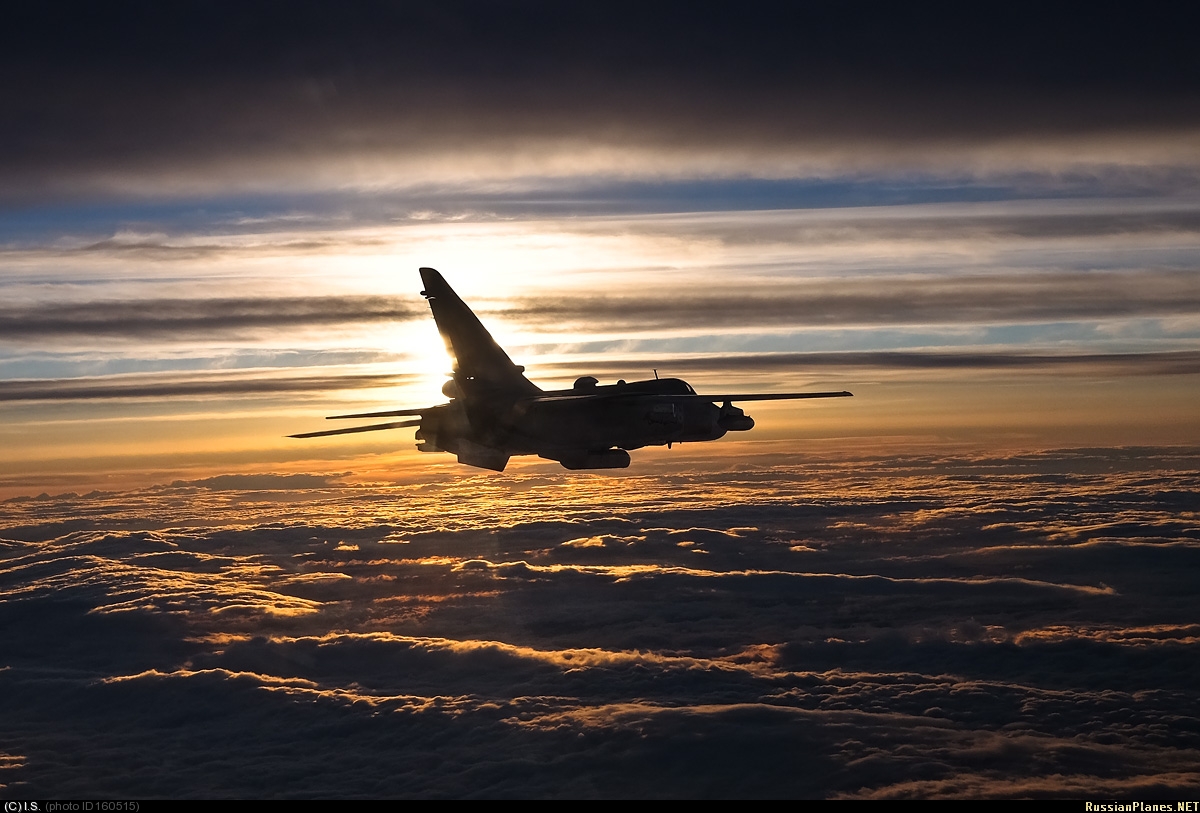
[{"x": 476, "y": 355}]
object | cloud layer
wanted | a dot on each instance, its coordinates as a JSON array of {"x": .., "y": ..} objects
[{"x": 878, "y": 627}]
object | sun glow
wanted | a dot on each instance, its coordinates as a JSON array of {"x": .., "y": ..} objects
[{"x": 424, "y": 358}]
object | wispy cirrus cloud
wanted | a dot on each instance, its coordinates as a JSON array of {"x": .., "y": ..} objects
[
  {"x": 994, "y": 298},
  {"x": 845, "y": 363},
  {"x": 1150, "y": 363},
  {"x": 188, "y": 385},
  {"x": 189, "y": 319},
  {"x": 845, "y": 302}
]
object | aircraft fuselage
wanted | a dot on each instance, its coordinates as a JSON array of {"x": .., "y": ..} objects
[{"x": 580, "y": 425}]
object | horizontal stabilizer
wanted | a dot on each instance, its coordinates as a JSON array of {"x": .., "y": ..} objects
[{"x": 375, "y": 427}]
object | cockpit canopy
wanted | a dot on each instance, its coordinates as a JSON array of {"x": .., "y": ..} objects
[
  {"x": 658, "y": 386},
  {"x": 675, "y": 386}
]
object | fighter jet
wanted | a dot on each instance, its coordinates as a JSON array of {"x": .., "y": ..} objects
[{"x": 494, "y": 412}]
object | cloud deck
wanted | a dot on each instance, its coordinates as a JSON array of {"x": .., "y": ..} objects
[{"x": 954, "y": 626}]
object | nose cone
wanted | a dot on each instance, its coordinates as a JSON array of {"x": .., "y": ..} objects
[
  {"x": 736, "y": 423},
  {"x": 732, "y": 419}
]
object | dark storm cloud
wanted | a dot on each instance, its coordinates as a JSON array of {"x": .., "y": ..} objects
[
  {"x": 190, "y": 319},
  {"x": 132, "y": 89}
]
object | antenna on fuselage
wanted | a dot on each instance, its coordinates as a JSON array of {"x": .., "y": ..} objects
[{"x": 656, "y": 375}]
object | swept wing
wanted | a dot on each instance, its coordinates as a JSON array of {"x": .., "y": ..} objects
[{"x": 375, "y": 427}]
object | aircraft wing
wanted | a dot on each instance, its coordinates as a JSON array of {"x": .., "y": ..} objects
[
  {"x": 375, "y": 427},
  {"x": 391, "y": 413},
  {"x": 616, "y": 396},
  {"x": 775, "y": 396}
]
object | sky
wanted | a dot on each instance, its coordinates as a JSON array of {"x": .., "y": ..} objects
[
  {"x": 984, "y": 222},
  {"x": 213, "y": 218}
]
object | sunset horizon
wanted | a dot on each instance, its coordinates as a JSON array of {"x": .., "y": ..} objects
[{"x": 975, "y": 578}]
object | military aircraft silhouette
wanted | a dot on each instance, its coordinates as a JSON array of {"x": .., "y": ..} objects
[{"x": 495, "y": 412}]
